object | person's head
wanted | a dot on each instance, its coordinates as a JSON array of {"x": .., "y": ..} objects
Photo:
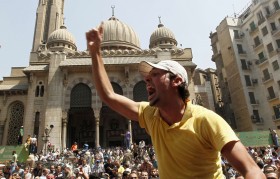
[
  {"x": 50, "y": 176},
  {"x": 14, "y": 152},
  {"x": 52, "y": 169},
  {"x": 154, "y": 172},
  {"x": 156, "y": 74},
  {"x": 133, "y": 176},
  {"x": 58, "y": 169},
  {"x": 67, "y": 170},
  {"x": 84, "y": 161},
  {"x": 270, "y": 168},
  {"x": 144, "y": 175},
  {"x": 271, "y": 175},
  {"x": 45, "y": 171}
]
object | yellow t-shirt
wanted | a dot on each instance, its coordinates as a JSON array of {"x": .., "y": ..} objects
[{"x": 189, "y": 148}]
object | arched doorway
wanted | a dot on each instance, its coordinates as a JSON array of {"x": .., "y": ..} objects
[
  {"x": 114, "y": 125},
  {"x": 16, "y": 113},
  {"x": 138, "y": 133},
  {"x": 81, "y": 123}
]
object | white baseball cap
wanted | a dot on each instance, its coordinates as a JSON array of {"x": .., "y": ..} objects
[{"x": 168, "y": 65}]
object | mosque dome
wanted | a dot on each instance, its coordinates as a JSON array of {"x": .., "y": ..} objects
[
  {"x": 61, "y": 40},
  {"x": 162, "y": 37},
  {"x": 118, "y": 35}
]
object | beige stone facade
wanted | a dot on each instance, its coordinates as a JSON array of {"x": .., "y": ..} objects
[{"x": 245, "y": 50}]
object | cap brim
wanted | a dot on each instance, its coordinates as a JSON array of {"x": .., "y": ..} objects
[{"x": 145, "y": 67}]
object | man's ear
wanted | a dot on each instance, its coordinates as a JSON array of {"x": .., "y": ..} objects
[{"x": 177, "y": 81}]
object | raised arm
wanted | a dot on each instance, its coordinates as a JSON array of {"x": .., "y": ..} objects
[
  {"x": 119, "y": 103},
  {"x": 237, "y": 155}
]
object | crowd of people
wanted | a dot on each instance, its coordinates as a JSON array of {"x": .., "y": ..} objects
[{"x": 118, "y": 162}]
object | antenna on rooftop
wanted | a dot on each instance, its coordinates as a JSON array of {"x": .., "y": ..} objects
[
  {"x": 234, "y": 13},
  {"x": 159, "y": 19},
  {"x": 113, "y": 10},
  {"x": 64, "y": 19}
]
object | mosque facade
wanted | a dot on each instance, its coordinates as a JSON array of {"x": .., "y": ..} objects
[{"x": 54, "y": 97}]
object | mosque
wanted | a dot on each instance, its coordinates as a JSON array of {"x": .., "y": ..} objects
[{"x": 54, "y": 97}]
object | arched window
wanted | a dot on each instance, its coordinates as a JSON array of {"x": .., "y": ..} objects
[
  {"x": 80, "y": 96},
  {"x": 139, "y": 92},
  {"x": 40, "y": 89},
  {"x": 16, "y": 113}
]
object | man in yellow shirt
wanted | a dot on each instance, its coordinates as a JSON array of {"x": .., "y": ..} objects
[{"x": 188, "y": 139}]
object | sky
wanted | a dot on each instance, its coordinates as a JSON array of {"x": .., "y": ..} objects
[{"x": 190, "y": 21}]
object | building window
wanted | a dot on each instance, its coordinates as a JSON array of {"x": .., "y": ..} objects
[
  {"x": 257, "y": 41},
  {"x": 267, "y": 10},
  {"x": 270, "y": 48},
  {"x": 36, "y": 124},
  {"x": 266, "y": 75},
  {"x": 240, "y": 49},
  {"x": 273, "y": 26},
  {"x": 278, "y": 43},
  {"x": 244, "y": 65},
  {"x": 261, "y": 19},
  {"x": 275, "y": 65},
  {"x": 15, "y": 119},
  {"x": 40, "y": 89},
  {"x": 248, "y": 80},
  {"x": 276, "y": 110},
  {"x": 261, "y": 55},
  {"x": 264, "y": 31},
  {"x": 252, "y": 26},
  {"x": 278, "y": 82},
  {"x": 252, "y": 98},
  {"x": 276, "y": 5},
  {"x": 271, "y": 93},
  {"x": 256, "y": 115}
]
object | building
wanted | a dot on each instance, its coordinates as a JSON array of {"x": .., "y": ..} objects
[
  {"x": 54, "y": 97},
  {"x": 246, "y": 52}
]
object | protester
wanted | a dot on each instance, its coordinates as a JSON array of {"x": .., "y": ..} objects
[{"x": 178, "y": 132}]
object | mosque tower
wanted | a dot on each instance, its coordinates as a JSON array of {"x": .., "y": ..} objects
[{"x": 49, "y": 17}]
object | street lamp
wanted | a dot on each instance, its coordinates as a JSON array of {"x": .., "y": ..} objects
[{"x": 46, "y": 136}]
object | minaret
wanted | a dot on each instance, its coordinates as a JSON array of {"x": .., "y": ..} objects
[{"x": 49, "y": 17}]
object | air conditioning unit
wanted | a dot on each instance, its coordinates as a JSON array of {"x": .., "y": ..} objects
[
  {"x": 249, "y": 62},
  {"x": 255, "y": 81}
]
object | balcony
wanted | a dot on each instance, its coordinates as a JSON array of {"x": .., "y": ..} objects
[
  {"x": 253, "y": 30},
  {"x": 242, "y": 52},
  {"x": 260, "y": 21},
  {"x": 239, "y": 36},
  {"x": 254, "y": 81},
  {"x": 267, "y": 78},
  {"x": 276, "y": 31},
  {"x": 256, "y": 119},
  {"x": 272, "y": 13},
  {"x": 255, "y": 102},
  {"x": 258, "y": 45},
  {"x": 272, "y": 97},
  {"x": 261, "y": 61},
  {"x": 276, "y": 118}
]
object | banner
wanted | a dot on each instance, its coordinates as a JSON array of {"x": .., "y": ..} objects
[
  {"x": 255, "y": 138},
  {"x": 6, "y": 153}
]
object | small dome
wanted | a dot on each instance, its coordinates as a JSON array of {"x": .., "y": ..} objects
[
  {"x": 118, "y": 35},
  {"x": 162, "y": 37},
  {"x": 61, "y": 39}
]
